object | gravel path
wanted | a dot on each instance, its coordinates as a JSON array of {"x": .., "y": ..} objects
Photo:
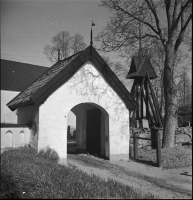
[{"x": 163, "y": 183}]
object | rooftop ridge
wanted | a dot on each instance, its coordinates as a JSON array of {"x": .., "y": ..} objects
[{"x": 41, "y": 81}]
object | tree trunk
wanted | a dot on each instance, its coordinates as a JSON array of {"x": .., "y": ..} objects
[
  {"x": 161, "y": 99},
  {"x": 170, "y": 119}
]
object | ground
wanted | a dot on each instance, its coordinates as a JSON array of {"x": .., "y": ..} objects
[{"x": 162, "y": 182}]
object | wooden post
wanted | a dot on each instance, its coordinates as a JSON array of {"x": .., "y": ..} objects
[
  {"x": 137, "y": 99},
  {"x": 133, "y": 87},
  {"x": 141, "y": 106},
  {"x": 150, "y": 117},
  {"x": 146, "y": 100},
  {"x": 155, "y": 103},
  {"x": 134, "y": 112},
  {"x": 152, "y": 109},
  {"x": 158, "y": 147},
  {"x": 135, "y": 147},
  {"x": 138, "y": 95}
]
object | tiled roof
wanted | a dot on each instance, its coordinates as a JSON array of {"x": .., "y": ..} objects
[
  {"x": 27, "y": 94},
  {"x": 60, "y": 72},
  {"x": 16, "y": 76}
]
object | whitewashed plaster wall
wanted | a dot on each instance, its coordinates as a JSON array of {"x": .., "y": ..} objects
[
  {"x": 8, "y": 116},
  {"x": 11, "y": 136},
  {"x": 14, "y": 136},
  {"x": 53, "y": 113}
]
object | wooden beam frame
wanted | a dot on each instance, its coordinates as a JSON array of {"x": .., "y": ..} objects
[
  {"x": 138, "y": 96},
  {"x": 155, "y": 102}
]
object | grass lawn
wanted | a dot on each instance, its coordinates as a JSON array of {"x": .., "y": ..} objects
[
  {"x": 171, "y": 158},
  {"x": 24, "y": 174}
]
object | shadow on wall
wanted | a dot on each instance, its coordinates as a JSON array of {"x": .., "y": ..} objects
[{"x": 33, "y": 141}]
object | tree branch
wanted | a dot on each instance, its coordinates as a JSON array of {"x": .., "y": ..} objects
[
  {"x": 153, "y": 10},
  {"x": 175, "y": 23},
  {"x": 177, "y": 2},
  {"x": 146, "y": 35},
  {"x": 134, "y": 17},
  {"x": 168, "y": 14},
  {"x": 182, "y": 32}
]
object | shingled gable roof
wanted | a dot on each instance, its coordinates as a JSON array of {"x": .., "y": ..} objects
[
  {"x": 61, "y": 72},
  {"x": 17, "y": 76},
  {"x": 140, "y": 69}
]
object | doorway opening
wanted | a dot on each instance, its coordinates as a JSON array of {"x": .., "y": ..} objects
[
  {"x": 88, "y": 130},
  {"x": 71, "y": 133}
]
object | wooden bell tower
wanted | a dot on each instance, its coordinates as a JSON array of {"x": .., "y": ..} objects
[{"x": 142, "y": 72}]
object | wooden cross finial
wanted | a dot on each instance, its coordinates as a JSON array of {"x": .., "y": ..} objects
[{"x": 91, "y": 42}]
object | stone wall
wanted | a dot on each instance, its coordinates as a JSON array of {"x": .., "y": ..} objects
[{"x": 182, "y": 135}]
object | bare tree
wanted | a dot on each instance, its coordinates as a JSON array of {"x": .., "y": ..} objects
[
  {"x": 156, "y": 55},
  {"x": 122, "y": 32},
  {"x": 185, "y": 90},
  {"x": 51, "y": 52},
  {"x": 120, "y": 71},
  {"x": 63, "y": 45},
  {"x": 182, "y": 64},
  {"x": 77, "y": 43}
]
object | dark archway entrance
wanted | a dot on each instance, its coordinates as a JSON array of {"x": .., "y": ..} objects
[{"x": 92, "y": 130}]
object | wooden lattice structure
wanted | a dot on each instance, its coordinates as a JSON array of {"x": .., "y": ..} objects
[{"x": 142, "y": 72}]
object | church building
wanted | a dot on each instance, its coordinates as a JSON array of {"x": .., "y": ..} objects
[{"x": 85, "y": 85}]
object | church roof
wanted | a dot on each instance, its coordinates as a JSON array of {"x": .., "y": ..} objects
[
  {"x": 140, "y": 69},
  {"x": 17, "y": 76},
  {"x": 61, "y": 72}
]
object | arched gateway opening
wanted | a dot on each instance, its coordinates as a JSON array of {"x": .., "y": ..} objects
[{"x": 90, "y": 132}]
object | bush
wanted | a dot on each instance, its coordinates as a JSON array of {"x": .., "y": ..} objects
[{"x": 48, "y": 154}]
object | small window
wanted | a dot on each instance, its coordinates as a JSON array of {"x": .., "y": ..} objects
[
  {"x": 22, "y": 138},
  {"x": 9, "y": 139}
]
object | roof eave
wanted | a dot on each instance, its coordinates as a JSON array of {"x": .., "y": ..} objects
[
  {"x": 22, "y": 104},
  {"x": 131, "y": 75},
  {"x": 41, "y": 96},
  {"x": 89, "y": 54}
]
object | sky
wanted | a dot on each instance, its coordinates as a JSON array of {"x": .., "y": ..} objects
[{"x": 27, "y": 26}]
